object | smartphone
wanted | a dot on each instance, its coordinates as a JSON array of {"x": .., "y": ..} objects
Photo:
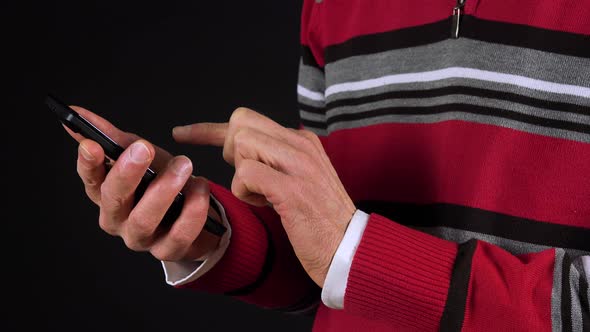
[{"x": 74, "y": 121}]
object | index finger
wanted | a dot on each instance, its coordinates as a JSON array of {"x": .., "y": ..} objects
[
  {"x": 122, "y": 138},
  {"x": 205, "y": 133}
]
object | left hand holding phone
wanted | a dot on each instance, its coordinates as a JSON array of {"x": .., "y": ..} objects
[{"x": 137, "y": 223}]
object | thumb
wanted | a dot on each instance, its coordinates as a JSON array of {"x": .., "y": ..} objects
[{"x": 204, "y": 133}]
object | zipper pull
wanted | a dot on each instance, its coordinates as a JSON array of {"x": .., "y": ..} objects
[{"x": 457, "y": 18}]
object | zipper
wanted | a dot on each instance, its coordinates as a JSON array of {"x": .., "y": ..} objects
[{"x": 456, "y": 22}]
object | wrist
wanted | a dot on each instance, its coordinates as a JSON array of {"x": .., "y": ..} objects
[
  {"x": 335, "y": 244},
  {"x": 337, "y": 277}
]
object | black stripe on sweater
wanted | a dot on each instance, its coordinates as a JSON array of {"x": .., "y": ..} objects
[
  {"x": 391, "y": 40},
  {"x": 566, "y": 295},
  {"x": 308, "y": 59},
  {"x": 452, "y": 107},
  {"x": 311, "y": 109},
  {"x": 482, "y": 221},
  {"x": 553, "y": 41},
  {"x": 454, "y": 311},
  {"x": 455, "y": 90}
]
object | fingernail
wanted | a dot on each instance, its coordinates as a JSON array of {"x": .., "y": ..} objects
[
  {"x": 85, "y": 153},
  {"x": 181, "y": 130},
  {"x": 181, "y": 166},
  {"x": 139, "y": 153}
]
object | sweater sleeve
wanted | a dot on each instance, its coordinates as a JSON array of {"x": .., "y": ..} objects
[
  {"x": 410, "y": 278},
  {"x": 259, "y": 265}
]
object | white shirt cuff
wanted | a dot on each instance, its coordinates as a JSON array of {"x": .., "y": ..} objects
[
  {"x": 179, "y": 273},
  {"x": 337, "y": 277}
]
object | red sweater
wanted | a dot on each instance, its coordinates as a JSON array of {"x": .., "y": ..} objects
[{"x": 471, "y": 155}]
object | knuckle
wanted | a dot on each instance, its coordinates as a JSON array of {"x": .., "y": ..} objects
[
  {"x": 242, "y": 171},
  {"x": 310, "y": 135},
  {"x": 107, "y": 197},
  {"x": 236, "y": 186},
  {"x": 181, "y": 238},
  {"x": 241, "y": 139},
  {"x": 139, "y": 225},
  {"x": 81, "y": 170},
  {"x": 87, "y": 179},
  {"x": 134, "y": 244},
  {"x": 93, "y": 194},
  {"x": 311, "y": 139},
  {"x": 239, "y": 113},
  {"x": 90, "y": 182},
  {"x": 107, "y": 225},
  {"x": 165, "y": 254},
  {"x": 227, "y": 155}
]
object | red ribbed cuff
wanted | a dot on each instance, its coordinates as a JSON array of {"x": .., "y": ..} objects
[
  {"x": 259, "y": 265},
  {"x": 242, "y": 262},
  {"x": 400, "y": 275}
]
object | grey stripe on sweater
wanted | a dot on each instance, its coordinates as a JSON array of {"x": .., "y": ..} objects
[{"x": 463, "y": 52}]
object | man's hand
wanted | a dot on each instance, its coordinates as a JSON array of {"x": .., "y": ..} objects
[
  {"x": 113, "y": 192},
  {"x": 289, "y": 169}
]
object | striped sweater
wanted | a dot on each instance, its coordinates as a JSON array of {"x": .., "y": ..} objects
[{"x": 462, "y": 127}]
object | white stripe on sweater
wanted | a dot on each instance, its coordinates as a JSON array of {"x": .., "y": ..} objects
[
  {"x": 459, "y": 72},
  {"x": 313, "y": 95}
]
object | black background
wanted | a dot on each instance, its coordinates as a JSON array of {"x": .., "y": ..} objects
[{"x": 145, "y": 66}]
